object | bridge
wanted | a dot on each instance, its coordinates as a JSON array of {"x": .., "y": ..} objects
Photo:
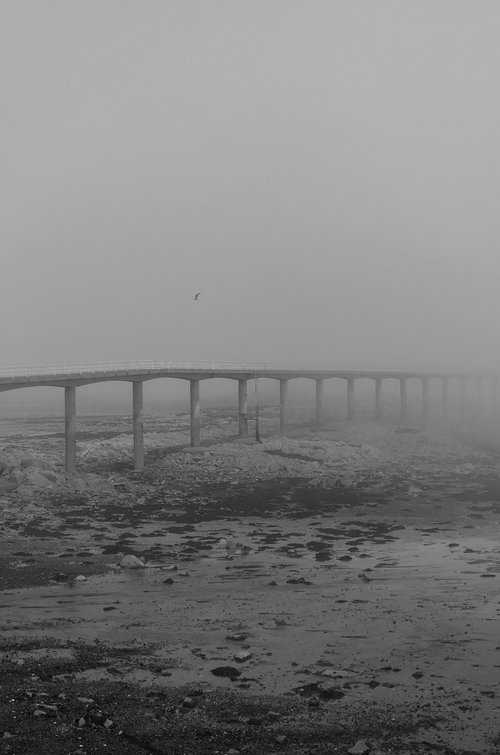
[{"x": 70, "y": 377}]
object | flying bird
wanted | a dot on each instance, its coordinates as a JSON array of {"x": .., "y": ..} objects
[{"x": 195, "y": 297}]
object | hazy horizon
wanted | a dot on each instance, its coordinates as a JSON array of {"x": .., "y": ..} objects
[{"x": 325, "y": 173}]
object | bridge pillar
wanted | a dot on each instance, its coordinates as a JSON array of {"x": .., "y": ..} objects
[
  {"x": 493, "y": 396},
  {"x": 283, "y": 397},
  {"x": 138, "y": 424},
  {"x": 462, "y": 400},
  {"x": 194, "y": 410},
  {"x": 243, "y": 408},
  {"x": 403, "y": 401},
  {"x": 319, "y": 401},
  {"x": 70, "y": 428},
  {"x": 444, "y": 399},
  {"x": 350, "y": 399},
  {"x": 478, "y": 399},
  {"x": 425, "y": 399},
  {"x": 378, "y": 398}
]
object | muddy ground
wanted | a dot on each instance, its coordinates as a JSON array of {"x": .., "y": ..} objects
[{"x": 327, "y": 592}]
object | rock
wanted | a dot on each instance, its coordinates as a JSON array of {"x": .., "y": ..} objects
[
  {"x": 4, "y": 466},
  {"x": 360, "y": 748},
  {"x": 298, "y": 581},
  {"x": 242, "y": 656},
  {"x": 98, "y": 485},
  {"x": 229, "y": 672},
  {"x": 37, "y": 480},
  {"x": 80, "y": 578},
  {"x": 168, "y": 581},
  {"x": 131, "y": 562},
  {"x": 319, "y": 690},
  {"x": 7, "y": 735},
  {"x": 414, "y": 491},
  {"x": 188, "y": 702},
  {"x": 239, "y": 637},
  {"x": 29, "y": 462},
  {"x": 58, "y": 577},
  {"x": 50, "y": 476},
  {"x": 8, "y": 484}
]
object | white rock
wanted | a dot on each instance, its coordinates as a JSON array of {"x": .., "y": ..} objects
[{"x": 131, "y": 562}]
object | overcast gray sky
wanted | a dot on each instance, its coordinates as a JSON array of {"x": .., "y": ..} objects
[{"x": 326, "y": 172}]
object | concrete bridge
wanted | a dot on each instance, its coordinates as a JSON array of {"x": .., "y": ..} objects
[{"x": 70, "y": 377}]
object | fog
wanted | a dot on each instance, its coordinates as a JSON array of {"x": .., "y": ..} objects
[{"x": 325, "y": 173}]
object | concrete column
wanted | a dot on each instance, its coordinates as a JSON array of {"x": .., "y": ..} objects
[
  {"x": 478, "y": 399},
  {"x": 70, "y": 428},
  {"x": 319, "y": 401},
  {"x": 378, "y": 398},
  {"x": 138, "y": 424},
  {"x": 463, "y": 404},
  {"x": 403, "y": 400},
  {"x": 243, "y": 408},
  {"x": 256, "y": 403},
  {"x": 425, "y": 399},
  {"x": 283, "y": 395},
  {"x": 444, "y": 399},
  {"x": 194, "y": 408},
  {"x": 493, "y": 396},
  {"x": 350, "y": 399}
]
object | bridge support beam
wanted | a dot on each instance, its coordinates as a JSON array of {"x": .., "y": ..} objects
[
  {"x": 194, "y": 410},
  {"x": 403, "y": 401},
  {"x": 425, "y": 399},
  {"x": 350, "y": 399},
  {"x": 283, "y": 397},
  {"x": 319, "y": 401},
  {"x": 444, "y": 400},
  {"x": 243, "y": 408},
  {"x": 138, "y": 424},
  {"x": 378, "y": 399},
  {"x": 70, "y": 428}
]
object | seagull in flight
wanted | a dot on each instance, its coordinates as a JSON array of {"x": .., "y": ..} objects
[{"x": 195, "y": 297}]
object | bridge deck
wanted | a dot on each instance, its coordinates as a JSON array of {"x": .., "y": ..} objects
[{"x": 82, "y": 374}]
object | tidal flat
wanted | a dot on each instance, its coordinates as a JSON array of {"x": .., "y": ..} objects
[{"x": 332, "y": 591}]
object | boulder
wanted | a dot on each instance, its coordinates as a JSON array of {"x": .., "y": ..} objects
[
  {"x": 38, "y": 480},
  {"x": 131, "y": 562},
  {"x": 99, "y": 485},
  {"x": 8, "y": 484},
  {"x": 28, "y": 462}
]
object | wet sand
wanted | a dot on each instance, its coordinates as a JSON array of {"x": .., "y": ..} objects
[{"x": 354, "y": 572}]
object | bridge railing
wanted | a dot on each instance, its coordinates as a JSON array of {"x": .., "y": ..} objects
[
  {"x": 88, "y": 370},
  {"x": 69, "y": 369}
]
